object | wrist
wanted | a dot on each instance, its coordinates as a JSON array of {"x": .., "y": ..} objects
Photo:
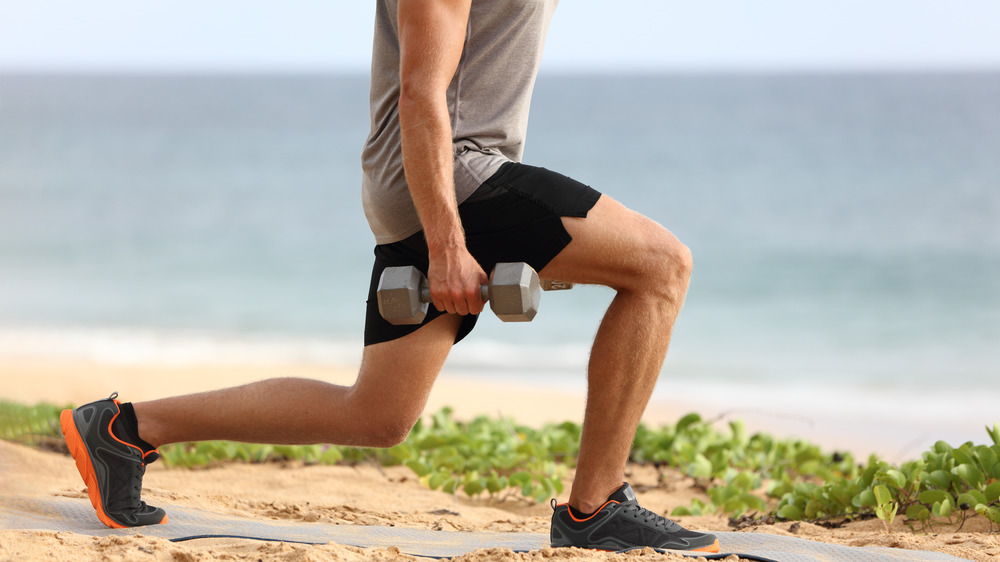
[{"x": 442, "y": 242}]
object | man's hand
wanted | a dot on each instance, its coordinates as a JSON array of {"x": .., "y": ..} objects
[
  {"x": 432, "y": 36},
  {"x": 456, "y": 281}
]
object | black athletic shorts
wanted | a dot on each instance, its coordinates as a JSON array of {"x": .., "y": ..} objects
[{"x": 513, "y": 217}]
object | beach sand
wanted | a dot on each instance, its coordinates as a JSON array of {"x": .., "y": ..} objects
[{"x": 362, "y": 494}]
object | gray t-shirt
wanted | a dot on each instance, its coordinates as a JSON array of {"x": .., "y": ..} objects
[{"x": 488, "y": 100}]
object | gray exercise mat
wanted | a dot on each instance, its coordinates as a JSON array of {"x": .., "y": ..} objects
[{"x": 77, "y": 516}]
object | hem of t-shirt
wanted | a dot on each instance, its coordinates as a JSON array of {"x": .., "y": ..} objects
[{"x": 464, "y": 189}]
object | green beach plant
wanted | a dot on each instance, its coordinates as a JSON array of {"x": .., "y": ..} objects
[
  {"x": 742, "y": 475},
  {"x": 31, "y": 425}
]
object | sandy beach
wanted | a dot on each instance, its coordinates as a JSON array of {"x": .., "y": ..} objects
[{"x": 362, "y": 494}]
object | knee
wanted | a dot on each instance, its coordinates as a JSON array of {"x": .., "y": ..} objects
[
  {"x": 682, "y": 262},
  {"x": 667, "y": 269},
  {"x": 677, "y": 275},
  {"x": 388, "y": 431}
]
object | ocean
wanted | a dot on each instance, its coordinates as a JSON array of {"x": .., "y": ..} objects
[{"x": 845, "y": 227}]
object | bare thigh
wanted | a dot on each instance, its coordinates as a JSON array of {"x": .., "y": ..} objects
[
  {"x": 619, "y": 248},
  {"x": 397, "y": 376}
]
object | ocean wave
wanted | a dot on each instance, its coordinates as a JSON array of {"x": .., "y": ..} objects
[
  {"x": 138, "y": 346},
  {"x": 492, "y": 355},
  {"x": 144, "y": 346}
]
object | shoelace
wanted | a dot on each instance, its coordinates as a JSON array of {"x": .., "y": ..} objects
[
  {"x": 135, "y": 488},
  {"x": 648, "y": 516}
]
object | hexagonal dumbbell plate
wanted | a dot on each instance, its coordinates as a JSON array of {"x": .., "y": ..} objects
[
  {"x": 514, "y": 292},
  {"x": 399, "y": 299}
]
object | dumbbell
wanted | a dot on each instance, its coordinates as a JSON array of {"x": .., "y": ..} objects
[{"x": 513, "y": 293}]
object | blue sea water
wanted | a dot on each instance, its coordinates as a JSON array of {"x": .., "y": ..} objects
[{"x": 845, "y": 228}]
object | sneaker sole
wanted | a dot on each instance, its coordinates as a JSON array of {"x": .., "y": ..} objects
[
  {"x": 713, "y": 548},
  {"x": 84, "y": 464}
]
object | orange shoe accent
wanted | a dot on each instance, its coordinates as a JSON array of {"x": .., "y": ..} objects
[
  {"x": 84, "y": 465},
  {"x": 711, "y": 548},
  {"x": 592, "y": 515}
]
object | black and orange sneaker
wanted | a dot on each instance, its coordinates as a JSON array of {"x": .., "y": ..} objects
[
  {"x": 111, "y": 468},
  {"x": 620, "y": 524}
]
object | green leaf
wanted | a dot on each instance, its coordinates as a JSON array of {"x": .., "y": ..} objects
[
  {"x": 931, "y": 496},
  {"x": 992, "y": 492},
  {"x": 865, "y": 499},
  {"x": 700, "y": 468},
  {"x": 917, "y": 512},
  {"x": 753, "y": 502},
  {"x": 687, "y": 421},
  {"x": 991, "y": 513},
  {"x": 528, "y": 490},
  {"x": 557, "y": 485},
  {"x": 735, "y": 507},
  {"x": 722, "y": 494},
  {"x": 972, "y": 497},
  {"x": 331, "y": 455},
  {"x": 520, "y": 478},
  {"x": 230, "y": 450},
  {"x": 777, "y": 489},
  {"x": 962, "y": 456},
  {"x": 540, "y": 492},
  {"x": 419, "y": 467},
  {"x": 790, "y": 512},
  {"x": 896, "y": 478},
  {"x": 746, "y": 481},
  {"x": 885, "y": 508},
  {"x": 882, "y": 495},
  {"x": 807, "y": 489},
  {"x": 739, "y": 430},
  {"x": 887, "y": 512},
  {"x": 810, "y": 467},
  {"x": 813, "y": 509},
  {"x": 914, "y": 471},
  {"x": 969, "y": 474},
  {"x": 495, "y": 484},
  {"x": 474, "y": 487},
  {"x": 942, "y": 447},
  {"x": 943, "y": 508},
  {"x": 940, "y": 479},
  {"x": 994, "y": 433},
  {"x": 437, "y": 479},
  {"x": 986, "y": 456},
  {"x": 401, "y": 452}
]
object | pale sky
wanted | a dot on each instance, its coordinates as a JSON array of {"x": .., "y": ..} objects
[{"x": 651, "y": 35}]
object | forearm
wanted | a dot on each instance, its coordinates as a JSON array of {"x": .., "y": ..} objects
[
  {"x": 453, "y": 273},
  {"x": 432, "y": 36},
  {"x": 428, "y": 159}
]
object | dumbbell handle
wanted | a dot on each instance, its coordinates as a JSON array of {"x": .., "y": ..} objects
[
  {"x": 550, "y": 285},
  {"x": 425, "y": 293}
]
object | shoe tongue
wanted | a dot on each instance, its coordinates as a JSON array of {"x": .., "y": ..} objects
[
  {"x": 623, "y": 494},
  {"x": 126, "y": 428}
]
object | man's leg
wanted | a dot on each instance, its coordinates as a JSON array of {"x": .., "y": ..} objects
[
  {"x": 111, "y": 449},
  {"x": 649, "y": 268},
  {"x": 378, "y": 410}
]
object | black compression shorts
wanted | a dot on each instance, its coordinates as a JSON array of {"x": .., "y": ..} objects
[{"x": 515, "y": 216}]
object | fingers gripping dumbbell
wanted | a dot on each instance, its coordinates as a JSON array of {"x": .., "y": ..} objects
[{"x": 513, "y": 293}]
